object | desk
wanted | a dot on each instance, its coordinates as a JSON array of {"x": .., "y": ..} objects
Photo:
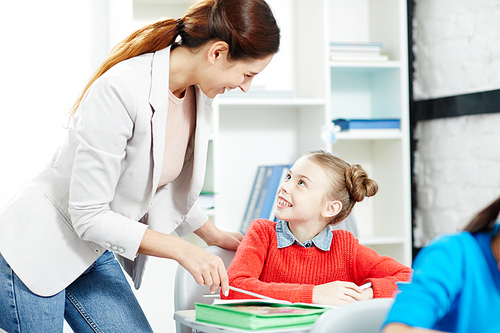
[{"x": 187, "y": 318}]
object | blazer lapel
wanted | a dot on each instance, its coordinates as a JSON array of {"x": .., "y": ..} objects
[
  {"x": 203, "y": 122},
  {"x": 158, "y": 100}
]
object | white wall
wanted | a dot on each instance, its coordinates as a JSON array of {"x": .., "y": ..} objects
[
  {"x": 457, "y": 168},
  {"x": 456, "y": 47},
  {"x": 48, "y": 52},
  {"x": 457, "y": 160}
]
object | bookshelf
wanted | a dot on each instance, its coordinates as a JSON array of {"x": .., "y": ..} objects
[{"x": 300, "y": 92}]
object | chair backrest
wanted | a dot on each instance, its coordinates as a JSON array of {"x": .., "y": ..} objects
[
  {"x": 187, "y": 291},
  {"x": 363, "y": 316}
]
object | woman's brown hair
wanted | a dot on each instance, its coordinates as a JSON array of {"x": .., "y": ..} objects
[
  {"x": 485, "y": 220},
  {"x": 350, "y": 183},
  {"x": 247, "y": 26}
]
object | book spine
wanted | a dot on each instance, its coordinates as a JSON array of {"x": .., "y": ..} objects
[
  {"x": 252, "y": 202},
  {"x": 347, "y": 124},
  {"x": 284, "y": 173},
  {"x": 272, "y": 190},
  {"x": 263, "y": 192}
]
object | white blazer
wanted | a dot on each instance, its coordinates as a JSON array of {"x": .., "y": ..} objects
[{"x": 102, "y": 182}]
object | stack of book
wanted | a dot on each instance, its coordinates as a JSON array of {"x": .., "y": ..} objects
[
  {"x": 363, "y": 124},
  {"x": 258, "y": 314},
  {"x": 357, "y": 52}
]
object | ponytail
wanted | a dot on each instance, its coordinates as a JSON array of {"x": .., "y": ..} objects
[
  {"x": 485, "y": 220},
  {"x": 151, "y": 38},
  {"x": 247, "y": 26}
]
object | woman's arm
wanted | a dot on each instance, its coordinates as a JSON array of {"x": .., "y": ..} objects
[{"x": 214, "y": 236}]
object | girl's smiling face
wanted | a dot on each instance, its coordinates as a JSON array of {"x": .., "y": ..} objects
[{"x": 303, "y": 195}]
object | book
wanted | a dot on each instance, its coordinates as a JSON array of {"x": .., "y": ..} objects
[
  {"x": 255, "y": 315},
  {"x": 255, "y": 214},
  {"x": 284, "y": 172},
  {"x": 278, "y": 175},
  {"x": 357, "y": 52},
  {"x": 262, "y": 201},
  {"x": 254, "y": 196},
  {"x": 348, "y": 124},
  {"x": 358, "y": 58},
  {"x": 356, "y": 46}
]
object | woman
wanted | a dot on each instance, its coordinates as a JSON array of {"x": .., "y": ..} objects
[
  {"x": 129, "y": 174},
  {"x": 456, "y": 282}
]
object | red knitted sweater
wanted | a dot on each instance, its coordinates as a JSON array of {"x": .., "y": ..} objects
[{"x": 291, "y": 273}]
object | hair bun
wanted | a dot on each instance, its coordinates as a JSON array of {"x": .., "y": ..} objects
[{"x": 358, "y": 184}]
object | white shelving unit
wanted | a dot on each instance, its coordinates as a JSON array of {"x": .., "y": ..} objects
[
  {"x": 302, "y": 91},
  {"x": 374, "y": 90}
]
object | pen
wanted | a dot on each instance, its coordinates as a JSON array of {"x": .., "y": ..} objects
[
  {"x": 250, "y": 293},
  {"x": 243, "y": 292},
  {"x": 366, "y": 286}
]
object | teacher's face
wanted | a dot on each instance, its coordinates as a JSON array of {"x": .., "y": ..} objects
[{"x": 226, "y": 75}]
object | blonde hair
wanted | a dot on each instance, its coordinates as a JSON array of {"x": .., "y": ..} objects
[{"x": 349, "y": 183}]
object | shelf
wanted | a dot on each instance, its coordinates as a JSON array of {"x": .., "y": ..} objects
[
  {"x": 365, "y": 65},
  {"x": 272, "y": 101},
  {"x": 381, "y": 240},
  {"x": 369, "y": 134}
]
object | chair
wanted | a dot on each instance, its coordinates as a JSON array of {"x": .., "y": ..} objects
[
  {"x": 358, "y": 317},
  {"x": 187, "y": 291}
]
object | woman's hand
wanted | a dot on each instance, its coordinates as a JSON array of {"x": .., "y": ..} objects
[
  {"x": 214, "y": 236},
  {"x": 206, "y": 268},
  {"x": 337, "y": 293}
]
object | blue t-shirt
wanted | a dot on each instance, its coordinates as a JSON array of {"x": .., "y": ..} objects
[{"x": 455, "y": 287}]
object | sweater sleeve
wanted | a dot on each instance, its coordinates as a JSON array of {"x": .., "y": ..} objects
[
  {"x": 382, "y": 271},
  {"x": 249, "y": 261}
]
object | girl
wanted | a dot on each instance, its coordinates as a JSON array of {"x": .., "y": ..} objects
[
  {"x": 129, "y": 173},
  {"x": 456, "y": 283},
  {"x": 299, "y": 259}
]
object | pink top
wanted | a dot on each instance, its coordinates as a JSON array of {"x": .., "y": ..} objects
[{"x": 181, "y": 120}]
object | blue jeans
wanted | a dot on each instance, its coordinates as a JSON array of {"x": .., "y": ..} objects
[{"x": 100, "y": 300}]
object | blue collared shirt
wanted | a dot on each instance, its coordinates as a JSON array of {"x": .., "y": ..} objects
[{"x": 322, "y": 241}]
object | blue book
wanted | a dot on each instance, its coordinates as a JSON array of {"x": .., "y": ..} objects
[
  {"x": 262, "y": 202},
  {"x": 347, "y": 124},
  {"x": 255, "y": 198},
  {"x": 268, "y": 206},
  {"x": 263, "y": 193}
]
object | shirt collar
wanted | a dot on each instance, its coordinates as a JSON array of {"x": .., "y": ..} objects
[{"x": 322, "y": 241}]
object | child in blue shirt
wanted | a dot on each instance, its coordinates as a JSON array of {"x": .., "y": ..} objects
[{"x": 456, "y": 282}]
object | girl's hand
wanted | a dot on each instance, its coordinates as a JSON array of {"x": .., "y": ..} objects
[
  {"x": 367, "y": 293},
  {"x": 337, "y": 293},
  {"x": 214, "y": 236}
]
